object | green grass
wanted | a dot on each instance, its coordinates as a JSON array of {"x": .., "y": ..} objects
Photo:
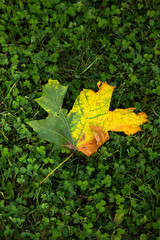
[{"x": 115, "y": 193}]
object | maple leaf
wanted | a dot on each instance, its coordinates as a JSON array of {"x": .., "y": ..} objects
[{"x": 85, "y": 128}]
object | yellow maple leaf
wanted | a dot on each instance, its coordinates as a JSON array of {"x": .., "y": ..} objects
[
  {"x": 86, "y": 126},
  {"x": 92, "y": 119}
]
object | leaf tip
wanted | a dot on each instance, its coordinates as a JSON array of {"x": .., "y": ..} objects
[
  {"x": 50, "y": 81},
  {"x": 104, "y": 84}
]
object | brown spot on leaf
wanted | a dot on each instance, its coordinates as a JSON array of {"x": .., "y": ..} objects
[
  {"x": 88, "y": 147},
  {"x": 82, "y": 138},
  {"x": 100, "y": 135},
  {"x": 92, "y": 145}
]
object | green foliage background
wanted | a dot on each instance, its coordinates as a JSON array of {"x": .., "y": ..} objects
[{"x": 115, "y": 193}]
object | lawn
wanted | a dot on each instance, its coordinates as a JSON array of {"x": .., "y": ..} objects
[{"x": 115, "y": 193}]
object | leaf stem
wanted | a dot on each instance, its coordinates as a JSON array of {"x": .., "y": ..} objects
[{"x": 58, "y": 166}]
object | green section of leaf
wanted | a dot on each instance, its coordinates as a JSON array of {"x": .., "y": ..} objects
[
  {"x": 55, "y": 128},
  {"x": 52, "y": 98}
]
